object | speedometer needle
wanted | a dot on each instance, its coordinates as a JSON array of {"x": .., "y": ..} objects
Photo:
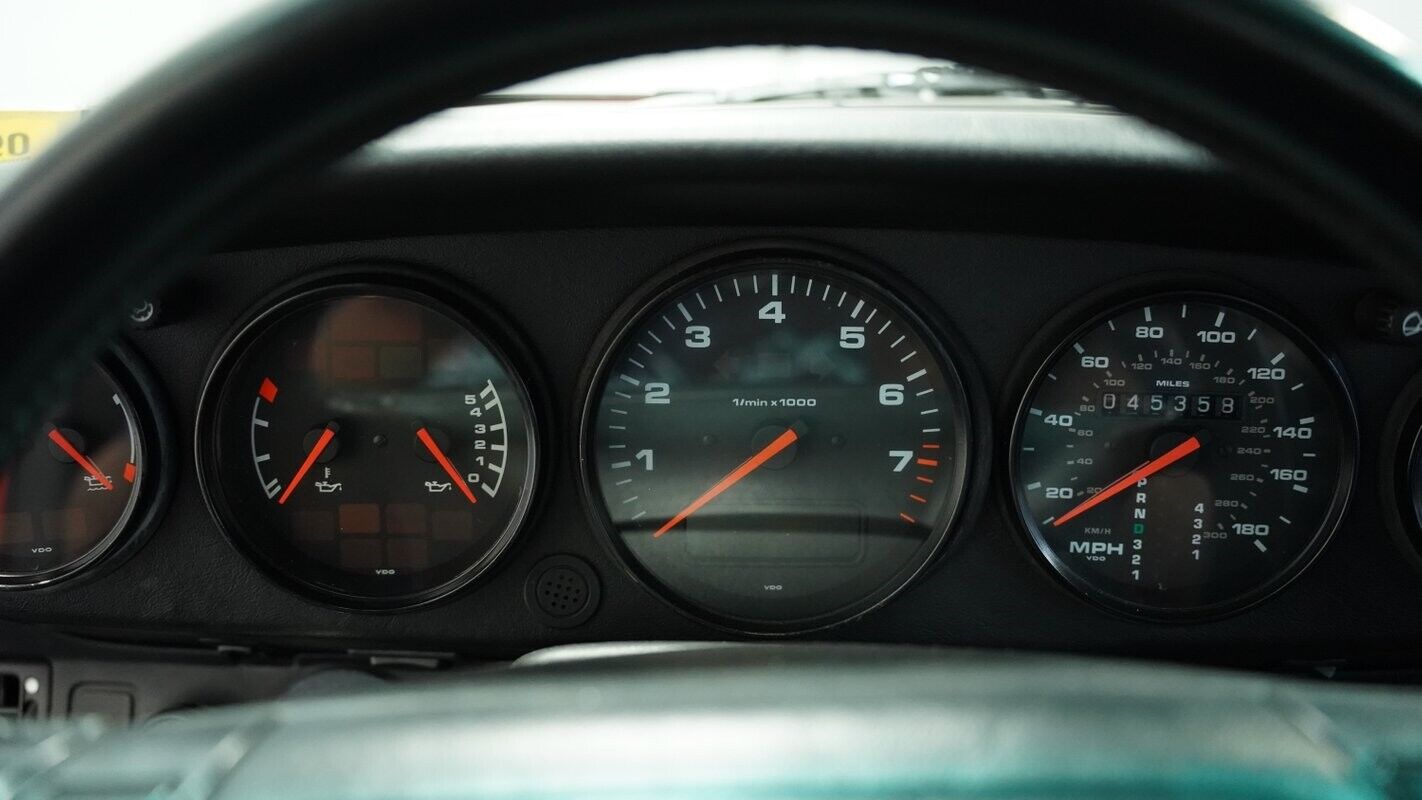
[
  {"x": 750, "y": 465},
  {"x": 73, "y": 452},
  {"x": 321, "y": 443},
  {"x": 428, "y": 441},
  {"x": 1140, "y": 473}
]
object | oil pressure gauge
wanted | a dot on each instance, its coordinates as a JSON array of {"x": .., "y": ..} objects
[{"x": 368, "y": 443}]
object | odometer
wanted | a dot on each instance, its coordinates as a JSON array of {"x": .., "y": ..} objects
[
  {"x": 1186, "y": 454},
  {"x": 777, "y": 444}
]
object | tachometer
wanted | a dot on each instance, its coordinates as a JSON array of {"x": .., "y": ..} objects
[
  {"x": 1186, "y": 454},
  {"x": 368, "y": 443},
  {"x": 777, "y": 444}
]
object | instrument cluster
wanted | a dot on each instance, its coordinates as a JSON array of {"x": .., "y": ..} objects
[{"x": 771, "y": 438}]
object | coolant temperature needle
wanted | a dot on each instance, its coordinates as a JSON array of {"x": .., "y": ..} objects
[
  {"x": 73, "y": 452},
  {"x": 321, "y": 443},
  {"x": 1140, "y": 473},
  {"x": 428, "y": 441},
  {"x": 750, "y": 465}
]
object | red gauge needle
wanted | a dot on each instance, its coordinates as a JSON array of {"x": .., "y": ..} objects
[
  {"x": 750, "y": 465},
  {"x": 326, "y": 437},
  {"x": 428, "y": 441},
  {"x": 1140, "y": 473},
  {"x": 73, "y": 452}
]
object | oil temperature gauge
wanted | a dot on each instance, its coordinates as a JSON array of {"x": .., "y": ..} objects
[{"x": 368, "y": 444}]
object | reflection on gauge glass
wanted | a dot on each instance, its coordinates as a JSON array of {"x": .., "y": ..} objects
[
  {"x": 368, "y": 444},
  {"x": 1183, "y": 455},
  {"x": 75, "y": 489},
  {"x": 1406, "y": 472},
  {"x": 776, "y": 446}
]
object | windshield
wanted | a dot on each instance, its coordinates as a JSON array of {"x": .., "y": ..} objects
[{"x": 61, "y": 57}]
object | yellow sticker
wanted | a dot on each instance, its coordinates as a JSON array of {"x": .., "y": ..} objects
[{"x": 23, "y": 134}]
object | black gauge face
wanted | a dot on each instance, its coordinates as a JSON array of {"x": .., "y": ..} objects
[
  {"x": 778, "y": 446},
  {"x": 72, "y": 492},
  {"x": 368, "y": 444},
  {"x": 1186, "y": 454}
]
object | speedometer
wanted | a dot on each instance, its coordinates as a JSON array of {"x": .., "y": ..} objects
[{"x": 1183, "y": 455}]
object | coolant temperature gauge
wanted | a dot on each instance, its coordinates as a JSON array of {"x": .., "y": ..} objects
[{"x": 368, "y": 444}]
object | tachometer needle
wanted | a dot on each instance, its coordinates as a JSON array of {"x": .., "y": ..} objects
[
  {"x": 428, "y": 441},
  {"x": 326, "y": 437},
  {"x": 750, "y": 465},
  {"x": 73, "y": 452},
  {"x": 1142, "y": 472}
]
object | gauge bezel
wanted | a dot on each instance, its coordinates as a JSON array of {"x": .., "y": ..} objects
[
  {"x": 152, "y": 491},
  {"x": 398, "y": 281},
  {"x": 1087, "y": 314},
  {"x": 972, "y": 420},
  {"x": 1401, "y": 455}
]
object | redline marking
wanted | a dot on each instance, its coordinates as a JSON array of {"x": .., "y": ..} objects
[
  {"x": 907, "y": 518},
  {"x": 917, "y": 499},
  {"x": 268, "y": 390},
  {"x": 926, "y": 462},
  {"x": 130, "y": 472}
]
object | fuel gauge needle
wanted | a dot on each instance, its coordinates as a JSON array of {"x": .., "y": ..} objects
[
  {"x": 321, "y": 443},
  {"x": 748, "y": 466},
  {"x": 73, "y": 452},
  {"x": 1140, "y": 473},
  {"x": 428, "y": 441}
]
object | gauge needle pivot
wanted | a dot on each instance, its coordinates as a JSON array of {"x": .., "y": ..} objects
[
  {"x": 1140, "y": 473},
  {"x": 750, "y": 465},
  {"x": 326, "y": 436},
  {"x": 73, "y": 452},
  {"x": 428, "y": 441}
]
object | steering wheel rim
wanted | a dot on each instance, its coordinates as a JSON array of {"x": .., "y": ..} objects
[{"x": 138, "y": 190}]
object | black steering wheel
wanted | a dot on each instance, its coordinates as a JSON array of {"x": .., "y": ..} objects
[{"x": 145, "y": 184}]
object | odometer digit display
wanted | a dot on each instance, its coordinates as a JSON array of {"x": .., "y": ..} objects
[
  {"x": 1183, "y": 455},
  {"x": 776, "y": 446}
]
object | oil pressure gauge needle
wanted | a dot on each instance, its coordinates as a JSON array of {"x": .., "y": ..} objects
[
  {"x": 326, "y": 436},
  {"x": 1140, "y": 473},
  {"x": 428, "y": 441},
  {"x": 750, "y": 465},
  {"x": 73, "y": 452}
]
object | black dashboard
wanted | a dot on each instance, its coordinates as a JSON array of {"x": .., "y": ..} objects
[{"x": 999, "y": 251}]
